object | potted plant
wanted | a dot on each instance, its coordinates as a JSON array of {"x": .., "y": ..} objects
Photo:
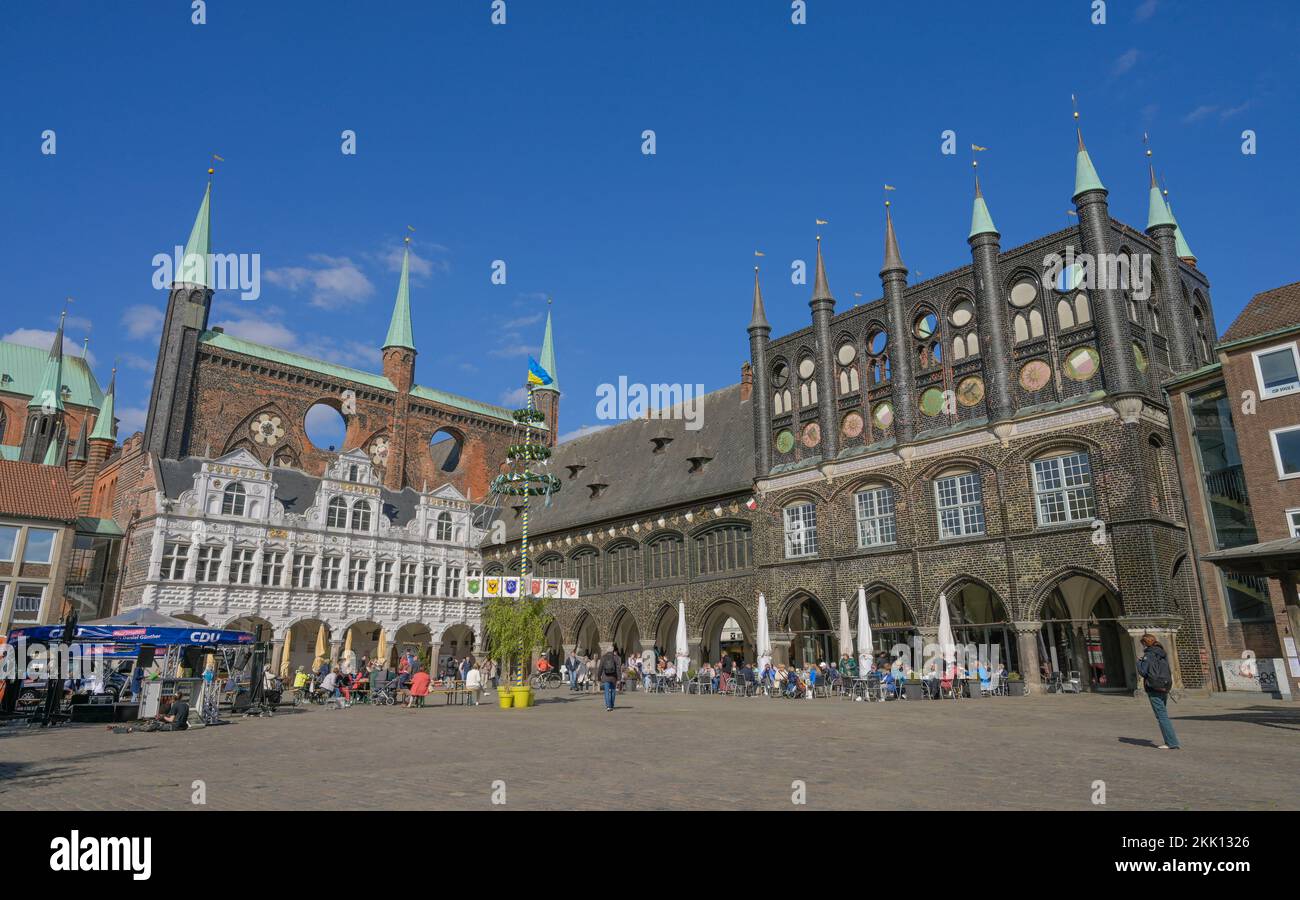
[
  {"x": 1015, "y": 685},
  {"x": 515, "y": 624}
]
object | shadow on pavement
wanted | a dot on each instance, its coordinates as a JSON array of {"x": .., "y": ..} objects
[{"x": 1269, "y": 716}]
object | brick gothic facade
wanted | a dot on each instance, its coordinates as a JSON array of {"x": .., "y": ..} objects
[{"x": 1025, "y": 403}]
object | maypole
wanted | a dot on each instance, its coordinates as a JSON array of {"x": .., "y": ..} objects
[{"x": 523, "y": 481}]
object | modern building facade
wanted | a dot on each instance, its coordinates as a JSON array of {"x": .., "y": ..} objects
[
  {"x": 37, "y": 529},
  {"x": 1237, "y": 429}
]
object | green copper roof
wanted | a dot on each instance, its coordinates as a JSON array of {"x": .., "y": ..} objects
[
  {"x": 399, "y": 329},
  {"x": 980, "y": 221},
  {"x": 21, "y": 369},
  {"x": 51, "y": 454},
  {"x": 548, "y": 358},
  {"x": 194, "y": 265},
  {"x": 105, "y": 427},
  {"x": 50, "y": 387},
  {"x": 1180, "y": 242},
  {"x": 10, "y": 452},
  {"x": 1157, "y": 209},
  {"x": 1085, "y": 176},
  {"x": 344, "y": 373}
]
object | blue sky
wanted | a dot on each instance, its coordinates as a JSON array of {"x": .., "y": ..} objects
[{"x": 522, "y": 142}]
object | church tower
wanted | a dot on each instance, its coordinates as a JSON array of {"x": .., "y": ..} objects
[
  {"x": 167, "y": 428},
  {"x": 399, "y": 368},
  {"x": 43, "y": 430},
  {"x": 547, "y": 397}
]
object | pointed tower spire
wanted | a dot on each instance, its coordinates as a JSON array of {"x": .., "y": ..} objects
[
  {"x": 893, "y": 259},
  {"x": 1184, "y": 252},
  {"x": 759, "y": 317},
  {"x": 1085, "y": 175},
  {"x": 49, "y": 395},
  {"x": 548, "y": 354},
  {"x": 105, "y": 427},
  {"x": 980, "y": 221},
  {"x": 52, "y": 453},
  {"x": 821, "y": 288},
  {"x": 194, "y": 264},
  {"x": 79, "y": 449},
  {"x": 399, "y": 329},
  {"x": 1157, "y": 209}
]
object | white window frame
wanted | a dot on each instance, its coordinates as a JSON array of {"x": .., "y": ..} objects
[
  {"x": 27, "y": 542},
  {"x": 406, "y": 578},
  {"x": 331, "y": 572},
  {"x": 442, "y": 528},
  {"x": 235, "y": 496},
  {"x": 878, "y": 522},
  {"x": 358, "y": 566},
  {"x": 963, "y": 503},
  {"x": 40, "y": 603},
  {"x": 272, "y": 567},
  {"x": 384, "y": 576},
  {"x": 337, "y": 513},
  {"x": 1285, "y": 390},
  {"x": 13, "y": 554},
  {"x": 1064, "y": 489},
  {"x": 804, "y": 516},
  {"x": 175, "y": 555},
  {"x": 1277, "y": 452},
  {"x": 207, "y": 566},
  {"x": 432, "y": 575},
  {"x": 453, "y": 581},
  {"x": 303, "y": 566},
  {"x": 1293, "y": 521},
  {"x": 361, "y": 517},
  {"x": 241, "y": 565}
]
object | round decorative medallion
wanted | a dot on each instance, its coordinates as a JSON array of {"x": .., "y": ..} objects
[
  {"x": 884, "y": 415},
  {"x": 1082, "y": 363},
  {"x": 267, "y": 429},
  {"x": 1023, "y": 294},
  {"x": 932, "y": 401},
  {"x": 1140, "y": 358},
  {"x": 962, "y": 314},
  {"x": 852, "y": 425},
  {"x": 812, "y": 435},
  {"x": 848, "y": 353},
  {"x": 806, "y": 368},
  {"x": 971, "y": 391},
  {"x": 1034, "y": 375},
  {"x": 379, "y": 450},
  {"x": 784, "y": 440}
]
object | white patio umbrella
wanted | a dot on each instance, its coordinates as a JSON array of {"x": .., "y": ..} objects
[
  {"x": 846, "y": 634},
  {"x": 763, "y": 645},
  {"x": 865, "y": 640},
  {"x": 947, "y": 645},
  {"x": 683, "y": 649}
]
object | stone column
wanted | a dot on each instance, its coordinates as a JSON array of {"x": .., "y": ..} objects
[
  {"x": 695, "y": 648},
  {"x": 435, "y": 651},
  {"x": 336, "y": 649},
  {"x": 1135, "y": 636},
  {"x": 1027, "y": 649},
  {"x": 276, "y": 656}
]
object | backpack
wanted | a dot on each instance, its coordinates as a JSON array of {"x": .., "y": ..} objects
[
  {"x": 1159, "y": 677},
  {"x": 608, "y": 666}
]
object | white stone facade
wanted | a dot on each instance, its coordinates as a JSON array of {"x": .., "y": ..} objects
[{"x": 226, "y": 550}]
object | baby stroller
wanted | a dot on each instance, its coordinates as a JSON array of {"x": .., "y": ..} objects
[{"x": 384, "y": 693}]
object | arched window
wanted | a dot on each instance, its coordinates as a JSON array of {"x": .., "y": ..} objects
[
  {"x": 361, "y": 516},
  {"x": 586, "y": 568},
  {"x": 780, "y": 388},
  {"x": 666, "y": 555},
  {"x": 807, "y": 383},
  {"x": 1063, "y": 489},
  {"x": 1082, "y": 311},
  {"x": 1035, "y": 323},
  {"x": 847, "y": 357},
  {"x": 1064, "y": 314},
  {"x": 623, "y": 564},
  {"x": 722, "y": 549},
  {"x": 551, "y": 566},
  {"x": 233, "y": 500},
  {"x": 443, "y": 531},
  {"x": 338, "y": 513}
]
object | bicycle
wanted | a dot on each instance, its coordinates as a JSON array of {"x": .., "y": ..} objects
[{"x": 546, "y": 680}]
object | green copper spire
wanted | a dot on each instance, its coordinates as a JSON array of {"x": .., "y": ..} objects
[
  {"x": 52, "y": 453},
  {"x": 49, "y": 394},
  {"x": 194, "y": 264},
  {"x": 1157, "y": 208},
  {"x": 105, "y": 427},
  {"x": 548, "y": 354},
  {"x": 980, "y": 221},
  {"x": 1085, "y": 176},
  {"x": 1180, "y": 242},
  {"x": 399, "y": 329}
]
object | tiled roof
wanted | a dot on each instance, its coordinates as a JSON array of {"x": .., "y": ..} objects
[
  {"x": 21, "y": 368},
  {"x": 1267, "y": 312},
  {"x": 34, "y": 491},
  {"x": 346, "y": 373}
]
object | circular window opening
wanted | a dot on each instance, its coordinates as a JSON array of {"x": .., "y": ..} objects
[
  {"x": 325, "y": 427},
  {"x": 1023, "y": 294},
  {"x": 926, "y": 325},
  {"x": 877, "y": 343},
  {"x": 847, "y": 354},
  {"x": 1069, "y": 278},
  {"x": 445, "y": 446},
  {"x": 962, "y": 314},
  {"x": 806, "y": 367},
  {"x": 780, "y": 375}
]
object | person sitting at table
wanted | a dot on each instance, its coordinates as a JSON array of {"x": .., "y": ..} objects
[
  {"x": 985, "y": 676},
  {"x": 889, "y": 684},
  {"x": 669, "y": 674}
]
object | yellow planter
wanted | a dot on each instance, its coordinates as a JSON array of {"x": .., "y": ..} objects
[
  {"x": 523, "y": 697},
  {"x": 504, "y": 699}
]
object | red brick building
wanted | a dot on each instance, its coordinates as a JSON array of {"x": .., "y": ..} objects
[{"x": 1236, "y": 424}]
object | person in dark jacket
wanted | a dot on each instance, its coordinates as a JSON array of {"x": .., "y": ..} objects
[
  {"x": 1157, "y": 678},
  {"x": 608, "y": 672}
]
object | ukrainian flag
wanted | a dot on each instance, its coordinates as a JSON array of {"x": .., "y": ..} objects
[{"x": 536, "y": 374}]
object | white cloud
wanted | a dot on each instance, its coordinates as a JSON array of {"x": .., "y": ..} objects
[
  {"x": 36, "y": 337},
  {"x": 260, "y": 331},
  {"x": 142, "y": 321},
  {"x": 1200, "y": 113},
  {"x": 1229, "y": 113},
  {"x": 1126, "y": 61},
  {"x": 514, "y": 350},
  {"x": 421, "y": 266},
  {"x": 135, "y": 361},
  {"x": 580, "y": 432},
  {"x": 517, "y": 397},
  {"x": 77, "y": 323},
  {"x": 523, "y": 321},
  {"x": 130, "y": 419},
  {"x": 1146, "y": 9},
  {"x": 334, "y": 281}
]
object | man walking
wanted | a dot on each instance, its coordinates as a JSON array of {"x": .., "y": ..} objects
[
  {"x": 608, "y": 670},
  {"x": 1158, "y": 679}
]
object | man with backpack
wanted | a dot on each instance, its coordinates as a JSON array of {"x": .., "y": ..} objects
[
  {"x": 1158, "y": 679},
  {"x": 608, "y": 671}
]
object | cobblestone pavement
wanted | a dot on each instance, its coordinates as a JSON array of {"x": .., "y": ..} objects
[{"x": 677, "y": 752}]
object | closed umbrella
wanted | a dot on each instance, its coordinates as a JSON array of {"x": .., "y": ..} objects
[
  {"x": 947, "y": 646},
  {"x": 764, "y": 643},
  {"x": 381, "y": 651},
  {"x": 683, "y": 650},
  {"x": 322, "y": 643},
  {"x": 865, "y": 640},
  {"x": 846, "y": 634},
  {"x": 284, "y": 653}
]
